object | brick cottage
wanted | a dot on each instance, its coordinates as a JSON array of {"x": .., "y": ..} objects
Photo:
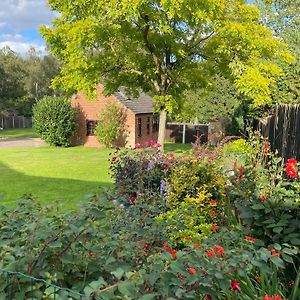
[{"x": 141, "y": 123}]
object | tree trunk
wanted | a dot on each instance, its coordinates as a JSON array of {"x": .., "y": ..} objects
[{"x": 162, "y": 127}]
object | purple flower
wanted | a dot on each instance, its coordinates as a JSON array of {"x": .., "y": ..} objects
[
  {"x": 162, "y": 187},
  {"x": 150, "y": 165},
  {"x": 122, "y": 205}
]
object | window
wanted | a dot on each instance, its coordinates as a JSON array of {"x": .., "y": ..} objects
[
  {"x": 155, "y": 123},
  {"x": 139, "y": 127},
  {"x": 90, "y": 127},
  {"x": 148, "y": 125}
]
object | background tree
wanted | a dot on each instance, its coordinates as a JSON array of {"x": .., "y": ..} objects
[
  {"x": 162, "y": 47},
  {"x": 24, "y": 80},
  {"x": 216, "y": 101},
  {"x": 283, "y": 18}
]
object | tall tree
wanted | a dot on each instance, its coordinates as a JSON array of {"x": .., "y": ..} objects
[
  {"x": 283, "y": 18},
  {"x": 162, "y": 47}
]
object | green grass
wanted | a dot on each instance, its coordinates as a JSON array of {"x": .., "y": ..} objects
[
  {"x": 18, "y": 133},
  {"x": 50, "y": 174},
  {"x": 53, "y": 174}
]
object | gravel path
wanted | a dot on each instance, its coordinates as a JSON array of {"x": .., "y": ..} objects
[{"x": 21, "y": 142}]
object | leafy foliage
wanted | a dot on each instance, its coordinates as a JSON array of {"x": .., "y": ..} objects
[
  {"x": 24, "y": 80},
  {"x": 163, "y": 47},
  {"x": 111, "y": 130},
  {"x": 54, "y": 120}
]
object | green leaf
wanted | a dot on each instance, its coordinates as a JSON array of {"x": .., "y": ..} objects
[
  {"x": 295, "y": 241},
  {"x": 277, "y": 261},
  {"x": 118, "y": 273}
]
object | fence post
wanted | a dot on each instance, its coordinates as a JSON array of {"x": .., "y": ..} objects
[
  {"x": 13, "y": 121},
  {"x": 2, "y": 123},
  {"x": 183, "y": 133}
]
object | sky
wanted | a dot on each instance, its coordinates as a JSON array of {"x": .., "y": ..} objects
[{"x": 19, "y": 23}]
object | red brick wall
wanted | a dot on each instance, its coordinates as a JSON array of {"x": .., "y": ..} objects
[
  {"x": 89, "y": 110},
  {"x": 145, "y": 137}
]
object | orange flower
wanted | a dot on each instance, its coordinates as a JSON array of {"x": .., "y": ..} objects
[
  {"x": 213, "y": 202},
  {"x": 266, "y": 148},
  {"x": 250, "y": 239},
  {"x": 192, "y": 271},
  {"x": 214, "y": 227},
  {"x": 197, "y": 246},
  {"x": 187, "y": 238},
  {"x": 213, "y": 213},
  {"x": 262, "y": 197}
]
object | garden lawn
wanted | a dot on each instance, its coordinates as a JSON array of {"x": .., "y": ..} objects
[
  {"x": 49, "y": 174},
  {"x": 18, "y": 133}
]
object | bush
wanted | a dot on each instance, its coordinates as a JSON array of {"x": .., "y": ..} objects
[
  {"x": 54, "y": 120},
  {"x": 110, "y": 130}
]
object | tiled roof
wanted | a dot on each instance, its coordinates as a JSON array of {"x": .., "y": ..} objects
[{"x": 141, "y": 105}]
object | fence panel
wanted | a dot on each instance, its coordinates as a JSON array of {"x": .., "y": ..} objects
[
  {"x": 8, "y": 122},
  {"x": 186, "y": 132},
  {"x": 283, "y": 130}
]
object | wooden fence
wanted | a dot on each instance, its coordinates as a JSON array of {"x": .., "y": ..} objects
[
  {"x": 186, "y": 132},
  {"x": 283, "y": 130},
  {"x": 15, "y": 122}
]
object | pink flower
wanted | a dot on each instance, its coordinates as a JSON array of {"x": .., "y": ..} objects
[
  {"x": 152, "y": 143},
  {"x": 167, "y": 165},
  {"x": 235, "y": 286},
  {"x": 137, "y": 146},
  {"x": 146, "y": 144},
  {"x": 158, "y": 145}
]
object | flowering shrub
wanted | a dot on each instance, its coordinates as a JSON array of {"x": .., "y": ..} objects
[
  {"x": 196, "y": 201},
  {"x": 138, "y": 171}
]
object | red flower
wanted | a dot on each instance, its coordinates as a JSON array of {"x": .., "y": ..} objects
[
  {"x": 213, "y": 202},
  {"x": 257, "y": 278},
  {"x": 197, "y": 246},
  {"x": 208, "y": 297},
  {"x": 192, "y": 271},
  {"x": 250, "y": 239},
  {"x": 211, "y": 253},
  {"x": 213, "y": 213},
  {"x": 166, "y": 247},
  {"x": 146, "y": 246},
  {"x": 291, "y": 171},
  {"x": 167, "y": 165},
  {"x": 180, "y": 276},
  {"x": 219, "y": 250},
  {"x": 267, "y": 297},
  {"x": 277, "y": 297},
  {"x": 241, "y": 170},
  {"x": 173, "y": 253},
  {"x": 262, "y": 197},
  {"x": 235, "y": 286},
  {"x": 290, "y": 284},
  {"x": 114, "y": 158},
  {"x": 171, "y": 155},
  {"x": 132, "y": 200},
  {"x": 214, "y": 227},
  {"x": 91, "y": 254},
  {"x": 291, "y": 162},
  {"x": 266, "y": 148},
  {"x": 273, "y": 252}
]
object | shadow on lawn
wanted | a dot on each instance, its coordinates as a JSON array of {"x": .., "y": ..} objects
[{"x": 69, "y": 192}]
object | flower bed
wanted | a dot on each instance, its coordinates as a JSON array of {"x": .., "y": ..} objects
[{"x": 171, "y": 228}]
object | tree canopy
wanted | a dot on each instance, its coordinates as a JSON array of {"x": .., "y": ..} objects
[
  {"x": 163, "y": 47},
  {"x": 283, "y": 18},
  {"x": 23, "y": 80}
]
